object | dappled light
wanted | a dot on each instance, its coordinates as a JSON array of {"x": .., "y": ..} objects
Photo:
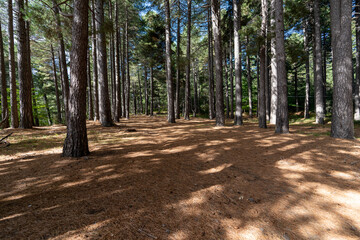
[{"x": 191, "y": 181}]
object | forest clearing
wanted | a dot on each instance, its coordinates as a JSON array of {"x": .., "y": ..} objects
[{"x": 149, "y": 179}]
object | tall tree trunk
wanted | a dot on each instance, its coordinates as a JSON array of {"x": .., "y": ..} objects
[
  {"x": 231, "y": 78},
  {"x": 117, "y": 67},
  {"x": 104, "y": 101},
  {"x": 4, "y": 102},
  {"x": 318, "y": 69},
  {"x": 282, "y": 118},
  {"x": 26, "y": 120},
  {"x": 64, "y": 72},
  {"x": 227, "y": 100},
  {"x": 307, "y": 71},
  {"x": 113, "y": 69},
  {"x": 296, "y": 89},
  {"x": 249, "y": 80},
  {"x": 58, "y": 106},
  {"x": 141, "y": 100},
  {"x": 273, "y": 78},
  {"x": 90, "y": 95},
  {"x": 76, "y": 142},
  {"x": 258, "y": 82},
  {"x": 188, "y": 62},
  {"x": 357, "y": 55},
  {"x": 211, "y": 67},
  {"x": 178, "y": 42},
  {"x": 123, "y": 74},
  {"x": 134, "y": 98},
  {"x": 237, "y": 54},
  {"x": 324, "y": 70},
  {"x": 95, "y": 70},
  {"x": 127, "y": 55},
  {"x": 342, "y": 124},
  {"x": 170, "y": 95},
  {"x": 262, "y": 99},
  {"x": 195, "y": 110},
  {"x": 146, "y": 92},
  {"x": 216, "y": 26},
  {"x": 12, "y": 74},
  {"x": 151, "y": 91}
]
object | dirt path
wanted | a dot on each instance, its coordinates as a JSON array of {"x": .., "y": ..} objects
[{"x": 184, "y": 181}]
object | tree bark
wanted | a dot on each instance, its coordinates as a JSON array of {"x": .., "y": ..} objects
[
  {"x": 146, "y": 92},
  {"x": 76, "y": 142},
  {"x": 26, "y": 120},
  {"x": 238, "y": 84},
  {"x": 342, "y": 124},
  {"x": 262, "y": 99},
  {"x": 273, "y": 81},
  {"x": 58, "y": 106},
  {"x": 123, "y": 74},
  {"x": 64, "y": 72},
  {"x": 188, "y": 63},
  {"x": 296, "y": 89},
  {"x": 215, "y": 11},
  {"x": 357, "y": 55},
  {"x": 282, "y": 118},
  {"x": 307, "y": 71},
  {"x": 231, "y": 78},
  {"x": 12, "y": 74},
  {"x": 90, "y": 95},
  {"x": 178, "y": 41},
  {"x": 210, "y": 67},
  {"x": 195, "y": 110},
  {"x": 151, "y": 91},
  {"x": 249, "y": 80},
  {"x": 170, "y": 95},
  {"x": 118, "y": 60},
  {"x": 318, "y": 68},
  {"x": 4, "y": 102},
  {"x": 127, "y": 62},
  {"x": 95, "y": 70}
]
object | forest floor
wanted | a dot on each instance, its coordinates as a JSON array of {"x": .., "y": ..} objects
[{"x": 188, "y": 180}]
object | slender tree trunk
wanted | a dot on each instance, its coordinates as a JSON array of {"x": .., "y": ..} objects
[
  {"x": 342, "y": 124},
  {"x": 118, "y": 111},
  {"x": 273, "y": 63},
  {"x": 151, "y": 91},
  {"x": 12, "y": 74},
  {"x": 127, "y": 55},
  {"x": 90, "y": 95},
  {"x": 188, "y": 62},
  {"x": 104, "y": 101},
  {"x": 4, "y": 102},
  {"x": 296, "y": 89},
  {"x": 258, "y": 82},
  {"x": 231, "y": 78},
  {"x": 170, "y": 95},
  {"x": 195, "y": 89},
  {"x": 113, "y": 69},
  {"x": 26, "y": 120},
  {"x": 216, "y": 26},
  {"x": 210, "y": 67},
  {"x": 324, "y": 70},
  {"x": 249, "y": 80},
  {"x": 282, "y": 118},
  {"x": 227, "y": 100},
  {"x": 141, "y": 100},
  {"x": 318, "y": 68},
  {"x": 357, "y": 69},
  {"x": 62, "y": 57},
  {"x": 307, "y": 71},
  {"x": 76, "y": 142},
  {"x": 178, "y": 40},
  {"x": 123, "y": 74},
  {"x": 146, "y": 92},
  {"x": 58, "y": 106},
  {"x": 95, "y": 70},
  {"x": 134, "y": 98},
  {"x": 262, "y": 99},
  {"x": 238, "y": 84}
]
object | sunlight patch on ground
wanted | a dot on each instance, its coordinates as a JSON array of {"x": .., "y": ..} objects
[{"x": 216, "y": 169}]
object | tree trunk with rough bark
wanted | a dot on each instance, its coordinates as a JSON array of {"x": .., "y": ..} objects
[
  {"x": 4, "y": 102},
  {"x": 249, "y": 80},
  {"x": 307, "y": 71},
  {"x": 104, "y": 100},
  {"x": 342, "y": 123},
  {"x": 318, "y": 68},
  {"x": 273, "y": 77},
  {"x": 210, "y": 67},
  {"x": 178, "y": 42},
  {"x": 118, "y": 111},
  {"x": 76, "y": 142},
  {"x": 127, "y": 62},
  {"x": 262, "y": 99},
  {"x": 89, "y": 86},
  {"x": 231, "y": 79},
  {"x": 151, "y": 91},
  {"x": 215, "y": 11},
  {"x": 188, "y": 63},
  {"x": 357, "y": 56},
  {"x": 282, "y": 118},
  {"x": 237, "y": 53},
  {"x": 170, "y": 95},
  {"x": 58, "y": 105},
  {"x": 95, "y": 70}
]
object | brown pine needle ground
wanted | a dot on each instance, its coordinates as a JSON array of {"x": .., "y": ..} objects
[{"x": 188, "y": 180}]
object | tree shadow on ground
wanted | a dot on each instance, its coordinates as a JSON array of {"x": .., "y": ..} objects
[{"x": 185, "y": 181}]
